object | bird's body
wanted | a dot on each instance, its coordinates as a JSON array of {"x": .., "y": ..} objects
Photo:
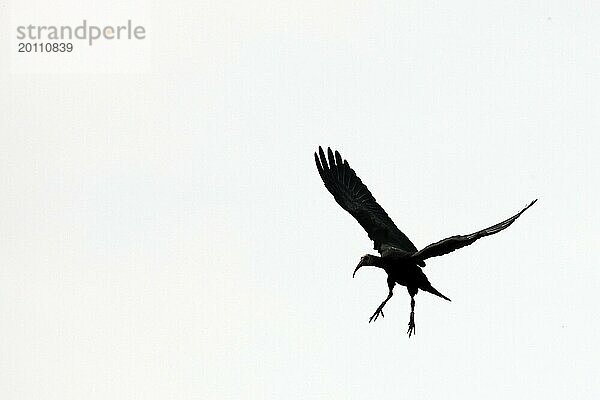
[
  {"x": 399, "y": 257},
  {"x": 405, "y": 272}
]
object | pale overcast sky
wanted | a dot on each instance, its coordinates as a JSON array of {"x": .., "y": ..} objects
[{"x": 165, "y": 234}]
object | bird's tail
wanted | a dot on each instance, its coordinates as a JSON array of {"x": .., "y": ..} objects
[{"x": 433, "y": 290}]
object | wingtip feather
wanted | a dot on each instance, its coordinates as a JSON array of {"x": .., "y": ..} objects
[
  {"x": 318, "y": 162},
  {"x": 530, "y": 204},
  {"x": 323, "y": 158},
  {"x": 331, "y": 158},
  {"x": 338, "y": 159}
]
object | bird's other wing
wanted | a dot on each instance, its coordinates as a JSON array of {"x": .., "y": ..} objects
[
  {"x": 452, "y": 243},
  {"x": 354, "y": 197}
]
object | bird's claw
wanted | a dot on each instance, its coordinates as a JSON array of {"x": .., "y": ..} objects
[
  {"x": 411, "y": 329},
  {"x": 411, "y": 326},
  {"x": 376, "y": 314}
]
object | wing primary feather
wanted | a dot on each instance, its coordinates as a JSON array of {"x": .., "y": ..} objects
[
  {"x": 331, "y": 159},
  {"x": 323, "y": 159},
  {"x": 319, "y": 167},
  {"x": 346, "y": 173},
  {"x": 338, "y": 164}
]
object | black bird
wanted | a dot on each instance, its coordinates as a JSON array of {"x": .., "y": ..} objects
[{"x": 399, "y": 258}]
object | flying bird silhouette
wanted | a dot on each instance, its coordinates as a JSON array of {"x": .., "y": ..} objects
[{"x": 399, "y": 257}]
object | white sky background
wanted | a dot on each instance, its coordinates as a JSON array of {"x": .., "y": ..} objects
[{"x": 166, "y": 235}]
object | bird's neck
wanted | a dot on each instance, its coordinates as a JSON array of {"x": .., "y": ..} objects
[{"x": 376, "y": 261}]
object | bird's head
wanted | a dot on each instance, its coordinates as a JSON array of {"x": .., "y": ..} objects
[{"x": 368, "y": 260}]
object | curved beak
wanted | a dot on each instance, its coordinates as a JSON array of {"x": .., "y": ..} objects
[{"x": 360, "y": 264}]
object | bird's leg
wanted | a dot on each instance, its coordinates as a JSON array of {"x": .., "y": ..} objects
[
  {"x": 379, "y": 310},
  {"x": 411, "y": 322}
]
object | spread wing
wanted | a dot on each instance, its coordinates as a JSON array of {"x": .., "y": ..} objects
[
  {"x": 354, "y": 197},
  {"x": 452, "y": 243}
]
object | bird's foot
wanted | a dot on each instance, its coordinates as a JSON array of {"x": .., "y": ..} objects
[
  {"x": 411, "y": 325},
  {"x": 378, "y": 312}
]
